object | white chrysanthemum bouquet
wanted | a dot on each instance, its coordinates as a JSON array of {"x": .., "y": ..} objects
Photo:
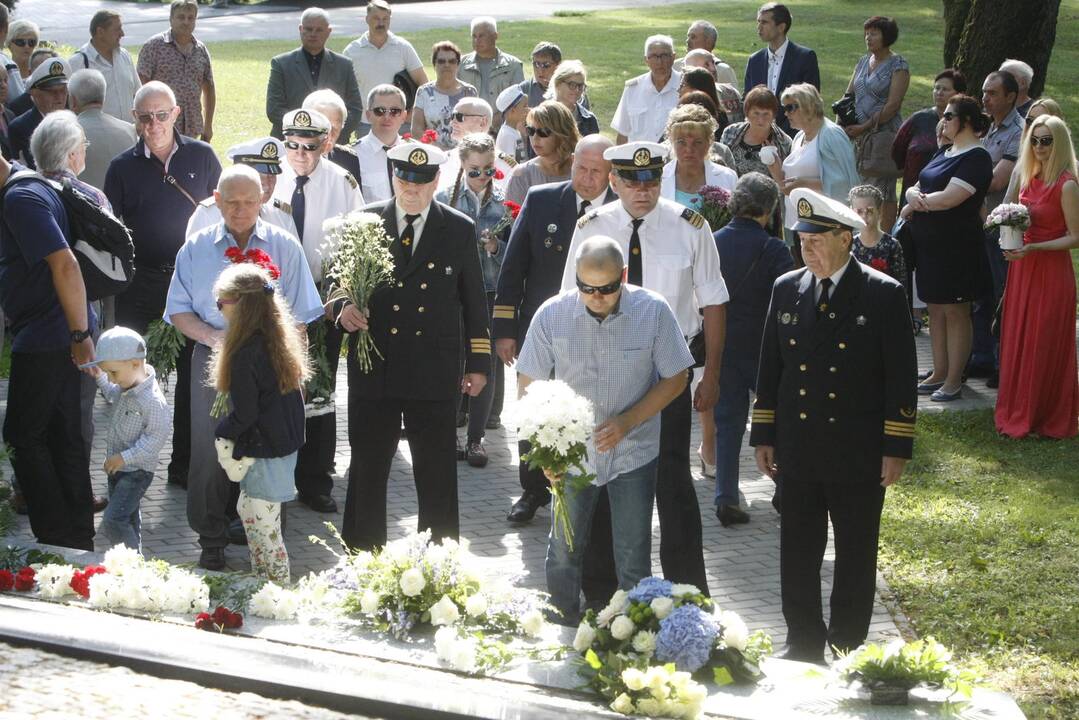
[{"x": 558, "y": 423}]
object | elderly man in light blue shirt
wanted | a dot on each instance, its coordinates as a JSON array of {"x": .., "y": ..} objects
[
  {"x": 620, "y": 346},
  {"x": 192, "y": 308}
]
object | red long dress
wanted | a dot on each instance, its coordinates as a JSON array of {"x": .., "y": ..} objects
[{"x": 1039, "y": 386}]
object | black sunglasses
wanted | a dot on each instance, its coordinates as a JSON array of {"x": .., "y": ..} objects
[
  {"x": 790, "y": 107},
  {"x": 542, "y": 65},
  {"x": 949, "y": 116},
  {"x": 381, "y": 111},
  {"x": 542, "y": 132},
  {"x": 1045, "y": 141},
  {"x": 608, "y": 289},
  {"x": 489, "y": 172},
  {"x": 460, "y": 116},
  {"x": 293, "y": 145},
  {"x": 24, "y": 42}
]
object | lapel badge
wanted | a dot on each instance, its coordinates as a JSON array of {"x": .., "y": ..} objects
[
  {"x": 547, "y": 243},
  {"x": 860, "y": 320},
  {"x": 430, "y": 266},
  {"x": 794, "y": 319},
  {"x": 406, "y": 242},
  {"x": 449, "y": 270},
  {"x": 552, "y": 228},
  {"x": 785, "y": 318}
]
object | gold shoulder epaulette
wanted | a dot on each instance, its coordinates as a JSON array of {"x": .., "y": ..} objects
[
  {"x": 586, "y": 217},
  {"x": 282, "y": 206},
  {"x": 693, "y": 217},
  {"x": 352, "y": 180}
]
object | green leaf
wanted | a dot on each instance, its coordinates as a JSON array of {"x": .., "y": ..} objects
[
  {"x": 592, "y": 659},
  {"x": 722, "y": 676}
]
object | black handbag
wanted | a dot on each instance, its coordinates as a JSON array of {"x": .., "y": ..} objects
[
  {"x": 404, "y": 82},
  {"x": 844, "y": 110}
]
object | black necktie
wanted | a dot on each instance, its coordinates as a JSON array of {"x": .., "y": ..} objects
[
  {"x": 389, "y": 166},
  {"x": 822, "y": 304},
  {"x": 635, "y": 255},
  {"x": 408, "y": 236},
  {"x": 584, "y": 208},
  {"x": 299, "y": 204}
]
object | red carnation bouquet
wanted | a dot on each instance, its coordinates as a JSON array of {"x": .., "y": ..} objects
[
  {"x": 429, "y": 137},
  {"x": 255, "y": 257},
  {"x": 512, "y": 211}
]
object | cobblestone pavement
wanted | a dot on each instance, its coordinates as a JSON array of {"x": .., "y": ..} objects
[
  {"x": 42, "y": 685},
  {"x": 742, "y": 561}
]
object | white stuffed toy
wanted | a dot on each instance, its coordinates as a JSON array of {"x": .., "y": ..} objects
[{"x": 235, "y": 469}]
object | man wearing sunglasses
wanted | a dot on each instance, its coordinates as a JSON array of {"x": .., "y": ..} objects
[
  {"x": 546, "y": 57},
  {"x": 621, "y": 347},
  {"x": 333, "y": 107},
  {"x": 316, "y": 190},
  {"x": 415, "y": 321},
  {"x": 48, "y": 92},
  {"x": 670, "y": 250},
  {"x": 473, "y": 115},
  {"x": 386, "y": 114}
]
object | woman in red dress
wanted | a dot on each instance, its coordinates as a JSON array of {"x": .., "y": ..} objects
[{"x": 1039, "y": 387}]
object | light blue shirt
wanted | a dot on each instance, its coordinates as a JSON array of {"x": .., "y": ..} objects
[
  {"x": 613, "y": 363},
  {"x": 202, "y": 258}
]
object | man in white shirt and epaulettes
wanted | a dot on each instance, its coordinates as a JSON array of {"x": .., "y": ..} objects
[{"x": 385, "y": 113}]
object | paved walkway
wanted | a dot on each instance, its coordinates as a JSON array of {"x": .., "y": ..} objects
[{"x": 742, "y": 561}]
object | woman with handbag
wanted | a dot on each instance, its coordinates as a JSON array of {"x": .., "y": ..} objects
[{"x": 879, "y": 83}]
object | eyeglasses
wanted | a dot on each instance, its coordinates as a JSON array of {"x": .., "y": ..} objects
[
  {"x": 660, "y": 56},
  {"x": 608, "y": 289},
  {"x": 1044, "y": 141},
  {"x": 222, "y": 302},
  {"x": 949, "y": 116},
  {"x": 542, "y": 132},
  {"x": 161, "y": 116},
  {"x": 460, "y": 117},
  {"x": 576, "y": 86},
  {"x": 447, "y": 61},
  {"x": 542, "y": 65},
  {"x": 790, "y": 107},
  {"x": 381, "y": 111},
  {"x": 24, "y": 42},
  {"x": 293, "y": 145},
  {"x": 489, "y": 172}
]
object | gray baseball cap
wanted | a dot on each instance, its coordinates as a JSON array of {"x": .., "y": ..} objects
[{"x": 118, "y": 343}]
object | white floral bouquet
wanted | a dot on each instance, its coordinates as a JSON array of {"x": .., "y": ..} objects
[
  {"x": 904, "y": 665},
  {"x": 1012, "y": 215},
  {"x": 557, "y": 423},
  {"x": 357, "y": 262}
]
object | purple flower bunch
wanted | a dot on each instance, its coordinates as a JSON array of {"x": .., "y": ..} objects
[
  {"x": 1009, "y": 215},
  {"x": 686, "y": 638},
  {"x": 713, "y": 206}
]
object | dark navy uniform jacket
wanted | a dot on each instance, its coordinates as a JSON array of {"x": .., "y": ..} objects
[
  {"x": 416, "y": 321},
  {"x": 836, "y": 393},
  {"x": 535, "y": 257}
]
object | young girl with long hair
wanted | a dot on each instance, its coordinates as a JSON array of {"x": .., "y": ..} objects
[{"x": 261, "y": 365}]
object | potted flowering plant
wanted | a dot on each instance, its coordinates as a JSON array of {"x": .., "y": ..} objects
[
  {"x": 1012, "y": 219},
  {"x": 890, "y": 671}
]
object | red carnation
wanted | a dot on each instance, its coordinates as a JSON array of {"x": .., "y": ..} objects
[
  {"x": 203, "y": 621},
  {"x": 407, "y": 136},
  {"x": 257, "y": 256},
  {"x": 24, "y": 579},
  {"x": 235, "y": 254},
  {"x": 513, "y": 207},
  {"x": 80, "y": 579},
  {"x": 879, "y": 264},
  {"x": 499, "y": 174},
  {"x": 429, "y": 137},
  {"x": 7, "y": 580},
  {"x": 236, "y": 620},
  {"x": 274, "y": 271}
]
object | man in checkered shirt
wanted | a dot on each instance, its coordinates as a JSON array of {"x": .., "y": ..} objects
[{"x": 620, "y": 346}]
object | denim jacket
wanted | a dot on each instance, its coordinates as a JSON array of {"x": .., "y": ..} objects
[{"x": 485, "y": 217}]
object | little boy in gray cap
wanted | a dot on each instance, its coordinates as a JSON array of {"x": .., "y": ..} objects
[{"x": 141, "y": 422}]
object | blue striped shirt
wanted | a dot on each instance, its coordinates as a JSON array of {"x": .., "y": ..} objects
[{"x": 613, "y": 363}]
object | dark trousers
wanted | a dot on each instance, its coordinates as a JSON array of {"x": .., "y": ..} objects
[
  {"x": 138, "y": 306},
  {"x": 855, "y": 513},
  {"x": 736, "y": 382},
  {"x": 374, "y": 429},
  {"x": 985, "y": 350},
  {"x": 315, "y": 461},
  {"x": 489, "y": 402},
  {"x": 43, "y": 427}
]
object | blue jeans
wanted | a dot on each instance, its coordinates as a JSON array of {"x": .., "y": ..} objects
[
  {"x": 631, "y": 496},
  {"x": 122, "y": 522},
  {"x": 735, "y": 385}
]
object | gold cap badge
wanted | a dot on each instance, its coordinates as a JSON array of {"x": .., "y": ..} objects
[
  {"x": 804, "y": 208},
  {"x": 642, "y": 157},
  {"x": 269, "y": 151},
  {"x": 302, "y": 119},
  {"x": 417, "y": 157}
]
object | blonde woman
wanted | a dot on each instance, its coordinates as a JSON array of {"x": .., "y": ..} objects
[
  {"x": 1039, "y": 388},
  {"x": 553, "y": 134},
  {"x": 22, "y": 39},
  {"x": 568, "y": 85},
  {"x": 1041, "y": 106},
  {"x": 690, "y": 129}
]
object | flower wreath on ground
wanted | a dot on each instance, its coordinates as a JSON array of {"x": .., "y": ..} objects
[{"x": 648, "y": 649}]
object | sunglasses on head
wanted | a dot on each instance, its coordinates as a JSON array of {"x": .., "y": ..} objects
[
  {"x": 542, "y": 132},
  {"x": 24, "y": 42},
  {"x": 1044, "y": 141},
  {"x": 489, "y": 172},
  {"x": 607, "y": 289},
  {"x": 160, "y": 116},
  {"x": 460, "y": 116},
  {"x": 222, "y": 302},
  {"x": 381, "y": 111},
  {"x": 293, "y": 145},
  {"x": 790, "y": 107}
]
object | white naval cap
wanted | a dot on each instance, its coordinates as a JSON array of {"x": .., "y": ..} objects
[
  {"x": 416, "y": 162},
  {"x": 818, "y": 213},
  {"x": 53, "y": 71},
  {"x": 305, "y": 123},
  {"x": 637, "y": 160},
  {"x": 508, "y": 97},
  {"x": 263, "y": 154}
]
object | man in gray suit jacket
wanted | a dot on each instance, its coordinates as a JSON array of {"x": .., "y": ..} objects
[
  {"x": 108, "y": 137},
  {"x": 294, "y": 75}
]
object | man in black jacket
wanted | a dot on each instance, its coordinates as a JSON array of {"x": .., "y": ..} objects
[{"x": 415, "y": 323}]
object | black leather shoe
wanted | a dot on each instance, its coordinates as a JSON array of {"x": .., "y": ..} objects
[
  {"x": 100, "y": 503},
  {"x": 802, "y": 655},
  {"x": 319, "y": 503},
  {"x": 212, "y": 559},
  {"x": 237, "y": 535},
  {"x": 525, "y": 509},
  {"x": 994, "y": 381},
  {"x": 731, "y": 515},
  {"x": 494, "y": 423},
  {"x": 476, "y": 455}
]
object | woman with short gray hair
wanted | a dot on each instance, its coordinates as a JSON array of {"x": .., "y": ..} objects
[
  {"x": 751, "y": 260},
  {"x": 22, "y": 38},
  {"x": 59, "y": 148}
]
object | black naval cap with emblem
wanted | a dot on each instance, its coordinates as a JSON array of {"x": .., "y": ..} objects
[
  {"x": 640, "y": 161},
  {"x": 416, "y": 162},
  {"x": 263, "y": 154},
  {"x": 305, "y": 123},
  {"x": 52, "y": 71},
  {"x": 819, "y": 214}
]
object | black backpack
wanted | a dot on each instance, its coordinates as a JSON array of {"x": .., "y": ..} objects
[{"x": 101, "y": 243}]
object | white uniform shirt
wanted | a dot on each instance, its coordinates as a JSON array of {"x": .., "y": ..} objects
[
  {"x": 417, "y": 224},
  {"x": 642, "y": 112},
  {"x": 374, "y": 174},
  {"x": 330, "y": 192},
  {"x": 121, "y": 78},
  {"x": 207, "y": 214},
  {"x": 678, "y": 260},
  {"x": 376, "y": 66}
]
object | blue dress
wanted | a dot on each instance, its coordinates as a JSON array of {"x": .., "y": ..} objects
[{"x": 949, "y": 251}]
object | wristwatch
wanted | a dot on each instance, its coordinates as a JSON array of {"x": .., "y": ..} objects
[{"x": 77, "y": 336}]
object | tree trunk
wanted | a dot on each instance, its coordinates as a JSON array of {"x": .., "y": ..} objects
[
  {"x": 955, "y": 18},
  {"x": 998, "y": 29}
]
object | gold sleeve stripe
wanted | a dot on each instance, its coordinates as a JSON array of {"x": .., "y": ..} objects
[
  {"x": 899, "y": 425},
  {"x": 764, "y": 412},
  {"x": 897, "y": 433},
  {"x": 481, "y": 346},
  {"x": 503, "y": 314}
]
